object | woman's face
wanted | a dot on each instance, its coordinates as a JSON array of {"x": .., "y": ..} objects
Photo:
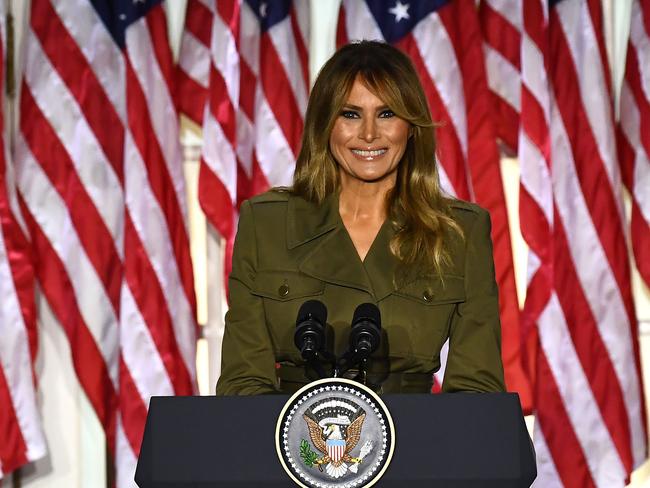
[{"x": 368, "y": 140}]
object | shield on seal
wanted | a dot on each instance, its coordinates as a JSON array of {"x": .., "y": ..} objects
[{"x": 335, "y": 449}]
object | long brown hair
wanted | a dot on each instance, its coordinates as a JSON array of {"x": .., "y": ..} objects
[{"x": 416, "y": 206}]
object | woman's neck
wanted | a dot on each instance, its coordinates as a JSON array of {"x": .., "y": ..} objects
[{"x": 363, "y": 201}]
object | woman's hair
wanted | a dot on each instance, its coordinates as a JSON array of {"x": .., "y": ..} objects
[{"x": 416, "y": 207}]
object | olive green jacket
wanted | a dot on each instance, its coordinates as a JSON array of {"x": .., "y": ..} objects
[{"x": 288, "y": 251}]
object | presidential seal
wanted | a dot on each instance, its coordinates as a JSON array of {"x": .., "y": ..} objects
[{"x": 335, "y": 433}]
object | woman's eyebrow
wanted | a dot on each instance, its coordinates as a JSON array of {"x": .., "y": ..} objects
[{"x": 356, "y": 107}]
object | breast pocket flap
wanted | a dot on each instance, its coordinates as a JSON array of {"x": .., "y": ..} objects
[
  {"x": 286, "y": 285},
  {"x": 433, "y": 291}
]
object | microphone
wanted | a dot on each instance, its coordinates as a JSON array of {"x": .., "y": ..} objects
[
  {"x": 365, "y": 335},
  {"x": 310, "y": 329}
]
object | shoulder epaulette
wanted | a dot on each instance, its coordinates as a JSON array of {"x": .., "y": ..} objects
[
  {"x": 467, "y": 206},
  {"x": 280, "y": 194}
]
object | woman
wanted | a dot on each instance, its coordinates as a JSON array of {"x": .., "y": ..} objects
[{"x": 365, "y": 221}]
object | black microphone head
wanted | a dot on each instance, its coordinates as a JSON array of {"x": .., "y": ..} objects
[
  {"x": 369, "y": 312},
  {"x": 310, "y": 329},
  {"x": 313, "y": 309},
  {"x": 365, "y": 332}
]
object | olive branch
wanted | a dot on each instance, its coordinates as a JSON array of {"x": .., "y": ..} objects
[{"x": 308, "y": 456}]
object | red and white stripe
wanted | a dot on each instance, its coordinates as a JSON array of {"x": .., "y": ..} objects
[
  {"x": 219, "y": 162},
  {"x": 446, "y": 50},
  {"x": 336, "y": 451},
  {"x": 535, "y": 190},
  {"x": 158, "y": 306},
  {"x": 501, "y": 24},
  {"x": 589, "y": 403},
  {"x": 21, "y": 437},
  {"x": 194, "y": 61},
  {"x": 634, "y": 133},
  {"x": 254, "y": 107},
  {"x": 71, "y": 190},
  {"x": 102, "y": 192}
]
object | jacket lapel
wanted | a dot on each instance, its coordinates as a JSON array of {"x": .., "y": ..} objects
[
  {"x": 334, "y": 258},
  {"x": 380, "y": 264}
]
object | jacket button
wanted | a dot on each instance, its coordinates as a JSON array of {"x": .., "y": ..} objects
[
  {"x": 283, "y": 291},
  {"x": 427, "y": 296}
]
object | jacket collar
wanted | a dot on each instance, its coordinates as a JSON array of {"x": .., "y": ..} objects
[
  {"x": 307, "y": 221},
  {"x": 334, "y": 258}
]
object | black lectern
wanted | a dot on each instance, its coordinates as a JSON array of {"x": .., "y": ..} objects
[{"x": 447, "y": 440}]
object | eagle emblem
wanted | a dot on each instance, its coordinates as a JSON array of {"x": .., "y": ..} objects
[
  {"x": 335, "y": 426},
  {"x": 334, "y": 433}
]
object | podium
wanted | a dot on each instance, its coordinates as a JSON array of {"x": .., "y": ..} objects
[{"x": 446, "y": 440}]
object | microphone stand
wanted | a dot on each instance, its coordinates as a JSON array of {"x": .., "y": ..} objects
[
  {"x": 347, "y": 361},
  {"x": 317, "y": 366}
]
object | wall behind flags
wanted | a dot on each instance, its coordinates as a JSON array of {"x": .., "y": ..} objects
[{"x": 77, "y": 453}]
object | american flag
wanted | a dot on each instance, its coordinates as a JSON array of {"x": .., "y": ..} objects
[
  {"x": 21, "y": 438},
  {"x": 634, "y": 133},
  {"x": 590, "y": 425},
  {"x": 101, "y": 188},
  {"x": 443, "y": 39},
  {"x": 243, "y": 74},
  {"x": 501, "y": 26}
]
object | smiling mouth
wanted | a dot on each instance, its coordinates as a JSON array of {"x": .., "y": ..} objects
[{"x": 369, "y": 154}]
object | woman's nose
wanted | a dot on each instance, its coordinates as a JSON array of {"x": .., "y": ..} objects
[{"x": 368, "y": 130}]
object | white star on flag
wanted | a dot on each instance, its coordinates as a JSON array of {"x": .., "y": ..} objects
[
  {"x": 400, "y": 11},
  {"x": 263, "y": 9}
]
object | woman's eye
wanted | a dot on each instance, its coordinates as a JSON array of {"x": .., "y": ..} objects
[
  {"x": 349, "y": 114},
  {"x": 386, "y": 114}
]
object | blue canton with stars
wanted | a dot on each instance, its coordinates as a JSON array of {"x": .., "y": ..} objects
[
  {"x": 270, "y": 12},
  {"x": 117, "y": 15},
  {"x": 397, "y": 18}
]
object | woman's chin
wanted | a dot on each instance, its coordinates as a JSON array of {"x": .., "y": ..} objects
[{"x": 370, "y": 178}]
